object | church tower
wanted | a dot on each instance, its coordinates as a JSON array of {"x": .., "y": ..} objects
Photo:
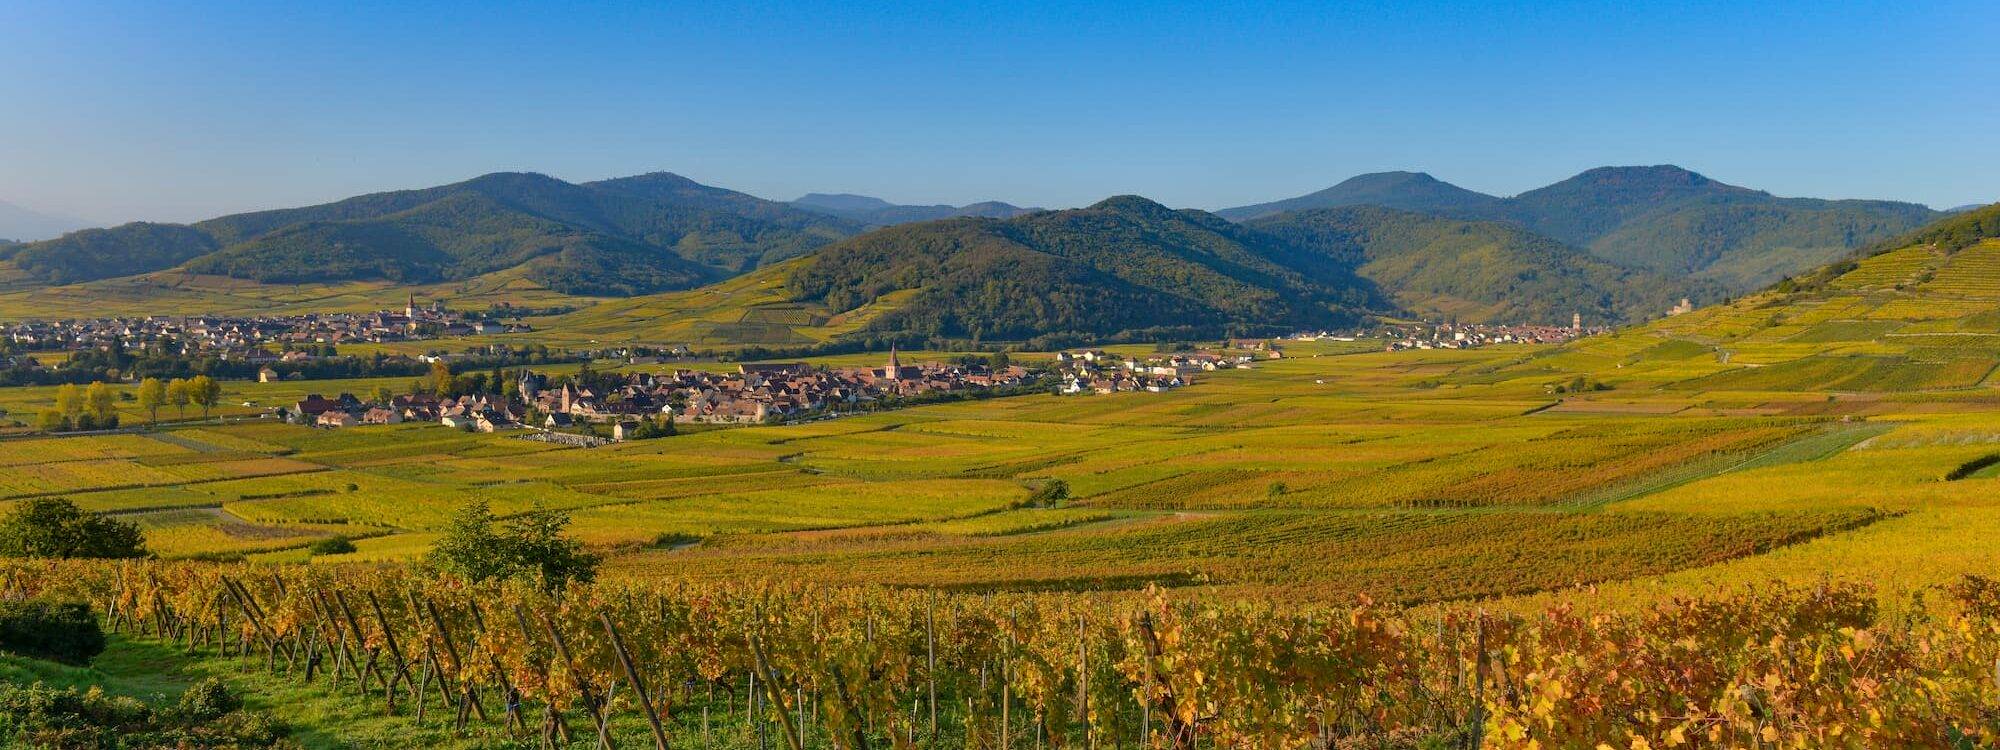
[
  {"x": 410, "y": 311},
  {"x": 895, "y": 369}
]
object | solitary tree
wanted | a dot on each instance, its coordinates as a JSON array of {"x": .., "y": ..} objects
[
  {"x": 152, "y": 395},
  {"x": 530, "y": 547},
  {"x": 54, "y": 527}
]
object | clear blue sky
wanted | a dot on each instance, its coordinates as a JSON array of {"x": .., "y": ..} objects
[{"x": 119, "y": 111}]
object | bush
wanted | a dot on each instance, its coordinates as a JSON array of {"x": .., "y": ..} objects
[
  {"x": 54, "y": 527},
  {"x": 207, "y": 716},
  {"x": 63, "y": 631},
  {"x": 207, "y": 701},
  {"x": 333, "y": 545}
]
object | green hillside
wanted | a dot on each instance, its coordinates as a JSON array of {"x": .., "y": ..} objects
[
  {"x": 1662, "y": 218},
  {"x": 1920, "y": 315},
  {"x": 1478, "y": 271},
  {"x": 1410, "y": 191},
  {"x": 91, "y": 254},
  {"x": 1124, "y": 267},
  {"x": 626, "y": 236}
]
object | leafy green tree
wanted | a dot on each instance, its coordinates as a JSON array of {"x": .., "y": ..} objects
[
  {"x": 152, "y": 395},
  {"x": 51, "y": 420},
  {"x": 55, "y": 527},
  {"x": 542, "y": 553},
  {"x": 530, "y": 547}
]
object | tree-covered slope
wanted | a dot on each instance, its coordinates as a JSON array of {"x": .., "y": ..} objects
[
  {"x": 1478, "y": 271},
  {"x": 1125, "y": 267},
  {"x": 1410, "y": 191},
  {"x": 626, "y": 236},
  {"x": 123, "y": 250},
  {"x": 877, "y": 212},
  {"x": 1661, "y": 218}
]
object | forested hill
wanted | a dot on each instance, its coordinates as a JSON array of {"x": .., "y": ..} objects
[
  {"x": 1479, "y": 271},
  {"x": 1126, "y": 267},
  {"x": 880, "y": 213},
  {"x": 624, "y": 236},
  {"x": 1410, "y": 191},
  {"x": 1662, "y": 218}
]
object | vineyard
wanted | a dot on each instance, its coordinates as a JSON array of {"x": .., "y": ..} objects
[{"x": 802, "y": 666}]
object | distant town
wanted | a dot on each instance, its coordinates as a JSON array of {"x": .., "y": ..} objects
[
  {"x": 629, "y": 404},
  {"x": 252, "y": 339}
]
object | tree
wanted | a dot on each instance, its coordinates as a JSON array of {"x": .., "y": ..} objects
[
  {"x": 470, "y": 548},
  {"x": 51, "y": 420},
  {"x": 152, "y": 395},
  {"x": 383, "y": 395},
  {"x": 439, "y": 382},
  {"x": 55, "y": 527},
  {"x": 102, "y": 403},
  {"x": 542, "y": 553},
  {"x": 1052, "y": 492},
  {"x": 177, "y": 394},
  {"x": 531, "y": 547},
  {"x": 205, "y": 392},
  {"x": 69, "y": 401}
]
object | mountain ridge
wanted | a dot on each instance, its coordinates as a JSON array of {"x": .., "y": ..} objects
[
  {"x": 630, "y": 235},
  {"x": 877, "y": 212},
  {"x": 1662, "y": 218}
]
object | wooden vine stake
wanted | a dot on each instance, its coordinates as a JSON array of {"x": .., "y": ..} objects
[{"x": 638, "y": 685}]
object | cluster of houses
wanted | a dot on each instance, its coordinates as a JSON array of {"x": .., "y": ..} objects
[
  {"x": 1094, "y": 371},
  {"x": 252, "y": 339},
  {"x": 754, "y": 394},
  {"x": 1475, "y": 335}
]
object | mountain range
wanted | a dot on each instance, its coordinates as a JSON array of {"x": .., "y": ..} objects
[
  {"x": 1660, "y": 218},
  {"x": 876, "y": 212},
  {"x": 1614, "y": 244},
  {"x": 631, "y": 235}
]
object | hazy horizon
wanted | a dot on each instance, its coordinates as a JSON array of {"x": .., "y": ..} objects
[{"x": 132, "y": 112}]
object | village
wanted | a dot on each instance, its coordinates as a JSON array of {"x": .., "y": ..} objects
[
  {"x": 252, "y": 339},
  {"x": 1093, "y": 371},
  {"x": 1473, "y": 336},
  {"x": 643, "y": 403}
]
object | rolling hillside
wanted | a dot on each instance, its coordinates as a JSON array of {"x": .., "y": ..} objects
[
  {"x": 1478, "y": 271},
  {"x": 880, "y": 213},
  {"x": 625, "y": 236},
  {"x": 1661, "y": 218},
  {"x": 1123, "y": 267},
  {"x": 1919, "y": 314},
  {"x": 1410, "y": 191}
]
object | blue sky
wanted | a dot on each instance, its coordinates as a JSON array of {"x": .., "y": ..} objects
[{"x": 121, "y": 111}]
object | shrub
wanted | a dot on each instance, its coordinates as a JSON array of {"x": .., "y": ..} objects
[
  {"x": 207, "y": 701},
  {"x": 63, "y": 631},
  {"x": 333, "y": 545},
  {"x": 54, "y": 527},
  {"x": 207, "y": 716}
]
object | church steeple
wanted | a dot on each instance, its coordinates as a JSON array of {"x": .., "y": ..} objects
[
  {"x": 411, "y": 310},
  {"x": 895, "y": 369}
]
